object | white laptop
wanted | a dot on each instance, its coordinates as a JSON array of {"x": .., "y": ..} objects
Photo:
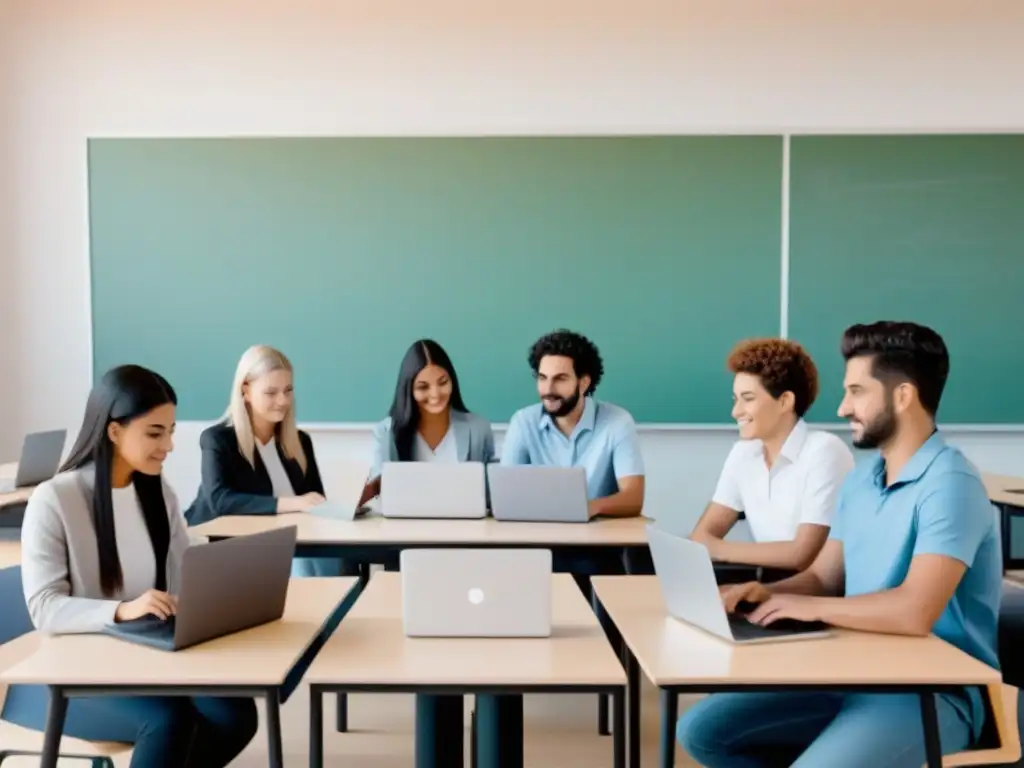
[
  {"x": 426, "y": 489},
  {"x": 40, "y": 459},
  {"x": 476, "y": 592},
  {"x": 690, "y": 590},
  {"x": 538, "y": 494},
  {"x": 347, "y": 482}
]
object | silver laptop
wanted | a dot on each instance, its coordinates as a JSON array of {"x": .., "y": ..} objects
[
  {"x": 40, "y": 459},
  {"x": 226, "y": 586},
  {"x": 476, "y": 592},
  {"x": 690, "y": 590},
  {"x": 426, "y": 489},
  {"x": 348, "y": 480},
  {"x": 531, "y": 493}
]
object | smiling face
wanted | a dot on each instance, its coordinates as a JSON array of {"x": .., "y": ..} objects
[
  {"x": 868, "y": 405},
  {"x": 757, "y": 413},
  {"x": 143, "y": 443},
  {"x": 270, "y": 396},
  {"x": 559, "y": 388},
  {"x": 432, "y": 389}
]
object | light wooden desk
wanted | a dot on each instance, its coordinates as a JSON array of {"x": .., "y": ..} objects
[
  {"x": 370, "y": 652},
  {"x": 1007, "y": 493},
  {"x": 11, "y": 498},
  {"x": 374, "y": 537},
  {"x": 680, "y": 659},
  {"x": 265, "y": 661}
]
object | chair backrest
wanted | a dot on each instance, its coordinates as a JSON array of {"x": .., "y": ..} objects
[{"x": 17, "y": 633}]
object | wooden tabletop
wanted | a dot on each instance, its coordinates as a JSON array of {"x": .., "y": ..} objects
[
  {"x": 370, "y": 647},
  {"x": 375, "y": 529},
  {"x": 261, "y": 656},
  {"x": 19, "y": 496},
  {"x": 673, "y": 653},
  {"x": 1004, "y": 489}
]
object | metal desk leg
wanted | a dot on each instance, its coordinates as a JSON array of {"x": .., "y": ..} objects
[
  {"x": 55, "y": 715},
  {"x": 619, "y": 729},
  {"x": 930, "y": 721},
  {"x": 341, "y": 713},
  {"x": 276, "y": 750},
  {"x": 633, "y": 708},
  {"x": 316, "y": 727},
  {"x": 669, "y": 715}
]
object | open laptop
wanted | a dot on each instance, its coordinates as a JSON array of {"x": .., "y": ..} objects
[
  {"x": 530, "y": 493},
  {"x": 476, "y": 592},
  {"x": 40, "y": 459},
  {"x": 690, "y": 590},
  {"x": 226, "y": 586},
  {"x": 348, "y": 480},
  {"x": 425, "y": 489}
]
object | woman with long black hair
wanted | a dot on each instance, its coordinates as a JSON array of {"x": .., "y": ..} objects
[
  {"x": 428, "y": 420},
  {"x": 102, "y": 542}
]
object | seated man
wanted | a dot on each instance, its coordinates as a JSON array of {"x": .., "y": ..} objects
[
  {"x": 782, "y": 475},
  {"x": 569, "y": 428},
  {"x": 914, "y": 549}
]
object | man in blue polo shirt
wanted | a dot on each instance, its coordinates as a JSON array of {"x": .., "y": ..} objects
[{"x": 913, "y": 549}]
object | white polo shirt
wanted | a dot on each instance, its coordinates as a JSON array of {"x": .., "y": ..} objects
[
  {"x": 446, "y": 451},
  {"x": 801, "y": 487}
]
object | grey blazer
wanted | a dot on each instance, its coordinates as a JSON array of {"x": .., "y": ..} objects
[
  {"x": 474, "y": 440},
  {"x": 59, "y": 562}
]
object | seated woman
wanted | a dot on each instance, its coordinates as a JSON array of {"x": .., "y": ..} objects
[
  {"x": 428, "y": 419},
  {"x": 430, "y": 422},
  {"x": 782, "y": 475},
  {"x": 102, "y": 542},
  {"x": 256, "y": 461}
]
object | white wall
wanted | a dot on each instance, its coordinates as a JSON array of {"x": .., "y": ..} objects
[{"x": 70, "y": 69}]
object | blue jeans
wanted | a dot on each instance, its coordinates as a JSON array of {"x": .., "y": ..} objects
[
  {"x": 167, "y": 732},
  {"x": 809, "y": 730}
]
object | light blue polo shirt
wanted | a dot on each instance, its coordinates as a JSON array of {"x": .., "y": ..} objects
[
  {"x": 604, "y": 443},
  {"x": 938, "y": 505}
]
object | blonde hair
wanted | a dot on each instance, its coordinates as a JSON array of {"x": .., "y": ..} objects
[{"x": 257, "y": 361}]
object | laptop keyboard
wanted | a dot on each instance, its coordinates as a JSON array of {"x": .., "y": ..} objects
[
  {"x": 148, "y": 627},
  {"x": 742, "y": 629}
]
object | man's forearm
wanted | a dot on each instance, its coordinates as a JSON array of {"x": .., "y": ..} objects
[
  {"x": 803, "y": 583},
  {"x": 621, "y": 504},
  {"x": 891, "y": 612},
  {"x": 769, "y": 554}
]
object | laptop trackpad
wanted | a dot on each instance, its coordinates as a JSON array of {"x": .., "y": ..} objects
[{"x": 743, "y": 629}]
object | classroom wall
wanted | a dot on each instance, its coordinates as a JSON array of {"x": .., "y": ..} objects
[{"x": 69, "y": 70}]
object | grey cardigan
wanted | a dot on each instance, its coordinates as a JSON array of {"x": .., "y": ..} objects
[
  {"x": 60, "y": 564},
  {"x": 474, "y": 440}
]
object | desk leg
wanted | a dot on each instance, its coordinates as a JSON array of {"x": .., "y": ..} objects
[
  {"x": 619, "y": 729},
  {"x": 316, "y": 727},
  {"x": 440, "y": 733},
  {"x": 633, "y": 707},
  {"x": 930, "y": 720},
  {"x": 54, "y": 727},
  {"x": 274, "y": 746},
  {"x": 341, "y": 713},
  {"x": 669, "y": 715}
]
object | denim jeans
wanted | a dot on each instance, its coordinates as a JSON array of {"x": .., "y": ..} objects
[{"x": 812, "y": 729}]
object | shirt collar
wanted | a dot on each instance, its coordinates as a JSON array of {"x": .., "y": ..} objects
[
  {"x": 795, "y": 441},
  {"x": 916, "y": 466}
]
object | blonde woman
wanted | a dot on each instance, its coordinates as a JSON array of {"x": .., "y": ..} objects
[{"x": 256, "y": 461}]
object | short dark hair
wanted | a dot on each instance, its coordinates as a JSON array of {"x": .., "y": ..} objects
[
  {"x": 781, "y": 366},
  {"x": 586, "y": 360},
  {"x": 902, "y": 352}
]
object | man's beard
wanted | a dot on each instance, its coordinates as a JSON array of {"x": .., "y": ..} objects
[
  {"x": 879, "y": 430},
  {"x": 563, "y": 405}
]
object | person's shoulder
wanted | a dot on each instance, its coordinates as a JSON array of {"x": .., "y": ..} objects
[
  {"x": 528, "y": 414},
  {"x": 219, "y": 435},
  {"x": 951, "y": 470},
  {"x": 382, "y": 427},
  {"x": 474, "y": 421},
  {"x": 61, "y": 490},
  {"x": 614, "y": 416},
  {"x": 822, "y": 445}
]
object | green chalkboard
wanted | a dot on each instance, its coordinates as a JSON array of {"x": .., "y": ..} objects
[
  {"x": 342, "y": 251},
  {"x": 923, "y": 228}
]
